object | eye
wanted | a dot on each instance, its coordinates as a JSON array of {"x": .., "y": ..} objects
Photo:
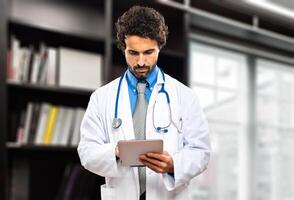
[
  {"x": 149, "y": 52},
  {"x": 133, "y": 53}
]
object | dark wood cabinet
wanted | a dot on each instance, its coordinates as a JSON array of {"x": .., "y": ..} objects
[{"x": 37, "y": 171}]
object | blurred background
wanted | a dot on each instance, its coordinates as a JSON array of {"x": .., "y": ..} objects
[{"x": 237, "y": 55}]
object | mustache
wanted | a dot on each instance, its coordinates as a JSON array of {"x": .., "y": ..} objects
[{"x": 141, "y": 66}]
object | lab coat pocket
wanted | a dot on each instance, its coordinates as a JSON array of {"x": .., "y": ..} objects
[{"x": 107, "y": 193}]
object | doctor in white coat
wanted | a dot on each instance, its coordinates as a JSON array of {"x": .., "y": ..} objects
[{"x": 174, "y": 116}]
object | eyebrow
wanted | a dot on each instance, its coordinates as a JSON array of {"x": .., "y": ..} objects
[{"x": 152, "y": 49}]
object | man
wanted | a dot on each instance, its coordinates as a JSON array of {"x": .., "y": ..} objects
[{"x": 134, "y": 107}]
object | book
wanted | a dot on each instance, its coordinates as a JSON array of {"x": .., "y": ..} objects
[
  {"x": 52, "y": 66},
  {"x": 42, "y": 69},
  {"x": 57, "y": 131},
  {"x": 50, "y": 124},
  {"x": 76, "y": 130},
  {"x": 30, "y": 64},
  {"x": 20, "y": 128},
  {"x": 67, "y": 127},
  {"x": 22, "y": 68},
  {"x": 34, "y": 123},
  {"x": 15, "y": 59},
  {"x": 79, "y": 69},
  {"x": 28, "y": 122},
  {"x": 26, "y": 62},
  {"x": 44, "y": 113},
  {"x": 35, "y": 68}
]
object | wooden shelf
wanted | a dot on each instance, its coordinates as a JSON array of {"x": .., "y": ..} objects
[
  {"x": 16, "y": 147},
  {"x": 51, "y": 89},
  {"x": 19, "y": 92},
  {"x": 36, "y": 27},
  {"x": 79, "y": 18},
  {"x": 55, "y": 38}
]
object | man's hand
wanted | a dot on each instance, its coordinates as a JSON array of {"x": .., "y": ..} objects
[{"x": 158, "y": 162}]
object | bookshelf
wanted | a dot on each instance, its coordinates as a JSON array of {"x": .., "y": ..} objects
[
  {"x": 19, "y": 148},
  {"x": 33, "y": 171},
  {"x": 38, "y": 171}
]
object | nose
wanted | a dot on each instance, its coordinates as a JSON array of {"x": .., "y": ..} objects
[{"x": 141, "y": 60}]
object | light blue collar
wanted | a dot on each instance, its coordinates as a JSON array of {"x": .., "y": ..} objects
[{"x": 151, "y": 78}]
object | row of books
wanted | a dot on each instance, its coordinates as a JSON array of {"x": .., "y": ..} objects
[
  {"x": 64, "y": 67},
  {"x": 47, "y": 124}
]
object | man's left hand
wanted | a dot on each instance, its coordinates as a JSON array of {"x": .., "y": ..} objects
[{"x": 158, "y": 162}]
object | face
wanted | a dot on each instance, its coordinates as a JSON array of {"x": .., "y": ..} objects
[{"x": 141, "y": 55}]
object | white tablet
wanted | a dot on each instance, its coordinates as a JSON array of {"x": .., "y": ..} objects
[{"x": 130, "y": 150}]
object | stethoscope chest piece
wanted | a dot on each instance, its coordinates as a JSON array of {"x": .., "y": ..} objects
[{"x": 116, "y": 123}]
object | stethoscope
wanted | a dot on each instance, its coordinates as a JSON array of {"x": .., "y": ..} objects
[{"x": 116, "y": 122}]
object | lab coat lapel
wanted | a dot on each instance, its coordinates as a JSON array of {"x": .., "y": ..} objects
[
  {"x": 125, "y": 112},
  {"x": 154, "y": 93}
]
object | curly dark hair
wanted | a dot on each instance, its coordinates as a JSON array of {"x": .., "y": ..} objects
[{"x": 141, "y": 21}]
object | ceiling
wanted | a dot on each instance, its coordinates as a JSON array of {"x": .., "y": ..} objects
[
  {"x": 266, "y": 11},
  {"x": 275, "y": 7},
  {"x": 284, "y": 3}
]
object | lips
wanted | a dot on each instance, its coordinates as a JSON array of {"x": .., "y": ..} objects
[{"x": 141, "y": 70}]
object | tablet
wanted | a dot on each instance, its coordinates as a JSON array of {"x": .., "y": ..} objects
[{"x": 130, "y": 150}]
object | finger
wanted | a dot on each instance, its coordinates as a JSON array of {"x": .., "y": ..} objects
[
  {"x": 158, "y": 156},
  {"x": 153, "y": 167},
  {"x": 156, "y": 162},
  {"x": 142, "y": 157}
]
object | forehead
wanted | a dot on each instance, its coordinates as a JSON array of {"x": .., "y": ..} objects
[{"x": 139, "y": 44}]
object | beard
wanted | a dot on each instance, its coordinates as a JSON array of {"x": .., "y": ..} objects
[{"x": 142, "y": 71}]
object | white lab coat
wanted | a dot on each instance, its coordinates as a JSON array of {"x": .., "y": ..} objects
[{"x": 190, "y": 149}]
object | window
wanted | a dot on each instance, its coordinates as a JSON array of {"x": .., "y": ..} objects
[
  {"x": 275, "y": 131},
  {"x": 219, "y": 79}
]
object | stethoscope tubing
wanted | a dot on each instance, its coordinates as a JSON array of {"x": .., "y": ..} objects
[
  {"x": 117, "y": 121},
  {"x": 117, "y": 96}
]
